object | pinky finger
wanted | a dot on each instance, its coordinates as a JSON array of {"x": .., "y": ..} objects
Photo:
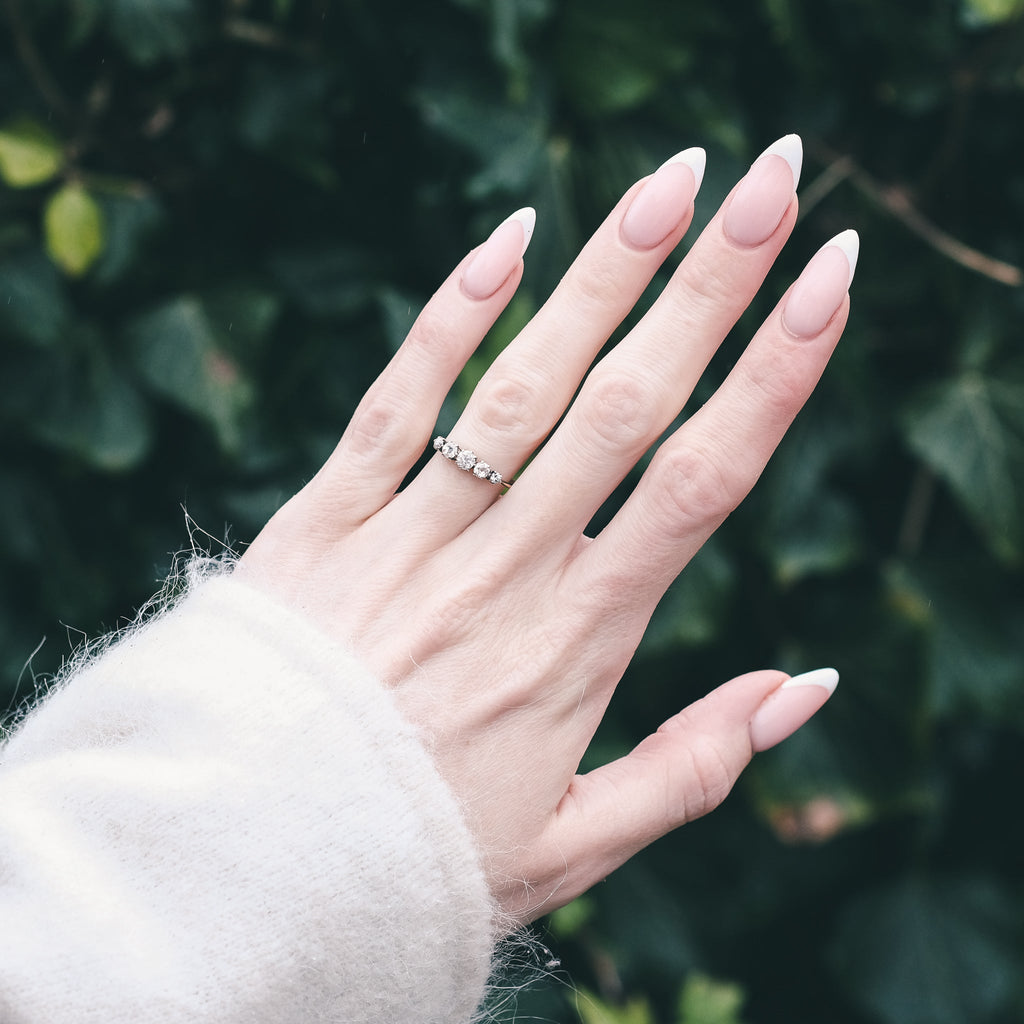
[{"x": 391, "y": 426}]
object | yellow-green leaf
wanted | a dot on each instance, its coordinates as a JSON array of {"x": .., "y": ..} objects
[
  {"x": 991, "y": 12},
  {"x": 29, "y": 153},
  {"x": 593, "y": 1010},
  {"x": 707, "y": 1001},
  {"x": 74, "y": 229}
]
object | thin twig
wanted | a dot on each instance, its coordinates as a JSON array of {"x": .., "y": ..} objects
[
  {"x": 256, "y": 33},
  {"x": 916, "y": 512},
  {"x": 895, "y": 201},
  {"x": 33, "y": 62},
  {"x": 834, "y": 174}
]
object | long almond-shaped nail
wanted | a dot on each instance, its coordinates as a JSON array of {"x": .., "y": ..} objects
[
  {"x": 499, "y": 255},
  {"x": 763, "y": 196},
  {"x": 819, "y": 290},
  {"x": 662, "y": 203},
  {"x": 790, "y": 706}
]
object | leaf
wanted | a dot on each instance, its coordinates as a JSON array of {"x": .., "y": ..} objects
[
  {"x": 821, "y": 537},
  {"x": 615, "y": 58},
  {"x": 991, "y": 12},
  {"x": 593, "y": 1010},
  {"x": 706, "y": 1001},
  {"x": 692, "y": 609},
  {"x": 570, "y": 920},
  {"x": 94, "y": 412},
  {"x": 974, "y": 644},
  {"x": 30, "y": 154},
  {"x": 177, "y": 352},
  {"x": 970, "y": 431},
  {"x": 242, "y": 317},
  {"x": 928, "y": 951},
  {"x": 150, "y": 30},
  {"x": 325, "y": 281},
  {"x": 129, "y": 222},
  {"x": 33, "y": 299},
  {"x": 806, "y": 527},
  {"x": 510, "y": 142},
  {"x": 74, "y": 228}
]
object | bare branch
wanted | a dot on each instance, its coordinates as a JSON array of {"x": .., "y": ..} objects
[
  {"x": 33, "y": 63},
  {"x": 896, "y": 201}
]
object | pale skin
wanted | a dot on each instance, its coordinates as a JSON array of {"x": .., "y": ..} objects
[{"x": 501, "y": 628}]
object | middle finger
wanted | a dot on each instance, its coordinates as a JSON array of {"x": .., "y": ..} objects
[{"x": 636, "y": 391}]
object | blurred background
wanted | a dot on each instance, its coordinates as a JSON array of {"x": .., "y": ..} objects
[{"x": 217, "y": 221}]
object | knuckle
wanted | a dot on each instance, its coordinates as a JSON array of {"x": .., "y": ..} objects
[
  {"x": 774, "y": 391},
  {"x": 598, "y": 286},
  {"x": 706, "y": 774},
  {"x": 436, "y": 334},
  {"x": 508, "y": 404},
  {"x": 705, "y": 287},
  {"x": 618, "y": 409},
  {"x": 376, "y": 425},
  {"x": 697, "y": 488},
  {"x": 712, "y": 777}
]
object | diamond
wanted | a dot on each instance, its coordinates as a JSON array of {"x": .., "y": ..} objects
[
  {"x": 495, "y": 478},
  {"x": 449, "y": 450},
  {"x": 482, "y": 470},
  {"x": 438, "y": 443},
  {"x": 466, "y": 459}
]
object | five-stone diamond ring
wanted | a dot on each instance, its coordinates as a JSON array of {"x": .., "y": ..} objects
[{"x": 467, "y": 460}]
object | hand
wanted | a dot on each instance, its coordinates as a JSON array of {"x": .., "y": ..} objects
[{"x": 500, "y": 627}]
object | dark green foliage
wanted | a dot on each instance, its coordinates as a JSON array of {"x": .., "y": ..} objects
[{"x": 217, "y": 221}]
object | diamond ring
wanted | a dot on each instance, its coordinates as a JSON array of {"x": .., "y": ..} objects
[{"x": 467, "y": 460}]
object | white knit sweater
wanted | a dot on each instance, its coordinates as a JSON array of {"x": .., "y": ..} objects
[{"x": 224, "y": 819}]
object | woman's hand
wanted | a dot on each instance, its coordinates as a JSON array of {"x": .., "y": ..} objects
[{"x": 501, "y": 628}]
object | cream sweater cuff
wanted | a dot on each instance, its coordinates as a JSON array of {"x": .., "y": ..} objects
[{"x": 224, "y": 818}]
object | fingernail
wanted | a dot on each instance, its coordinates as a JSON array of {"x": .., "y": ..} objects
[
  {"x": 663, "y": 201},
  {"x": 790, "y": 706},
  {"x": 820, "y": 289},
  {"x": 499, "y": 255},
  {"x": 764, "y": 195}
]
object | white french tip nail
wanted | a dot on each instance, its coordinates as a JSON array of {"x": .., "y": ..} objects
[
  {"x": 826, "y": 678},
  {"x": 849, "y": 242},
  {"x": 696, "y": 159},
  {"x": 527, "y": 217},
  {"x": 791, "y": 149}
]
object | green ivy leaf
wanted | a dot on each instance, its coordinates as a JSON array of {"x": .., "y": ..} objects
[
  {"x": 33, "y": 298},
  {"x": 30, "y": 154},
  {"x": 691, "y": 612},
  {"x": 151, "y": 30},
  {"x": 806, "y": 527},
  {"x": 509, "y": 141},
  {"x": 970, "y": 431},
  {"x": 73, "y": 224},
  {"x": 922, "y": 951},
  {"x": 94, "y": 412},
  {"x": 129, "y": 221},
  {"x": 821, "y": 537},
  {"x": 615, "y": 58},
  {"x": 178, "y": 353},
  {"x": 972, "y": 625}
]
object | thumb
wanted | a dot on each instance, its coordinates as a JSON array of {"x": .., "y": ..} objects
[{"x": 682, "y": 771}]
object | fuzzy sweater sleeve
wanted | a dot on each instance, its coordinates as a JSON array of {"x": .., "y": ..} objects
[{"x": 224, "y": 819}]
